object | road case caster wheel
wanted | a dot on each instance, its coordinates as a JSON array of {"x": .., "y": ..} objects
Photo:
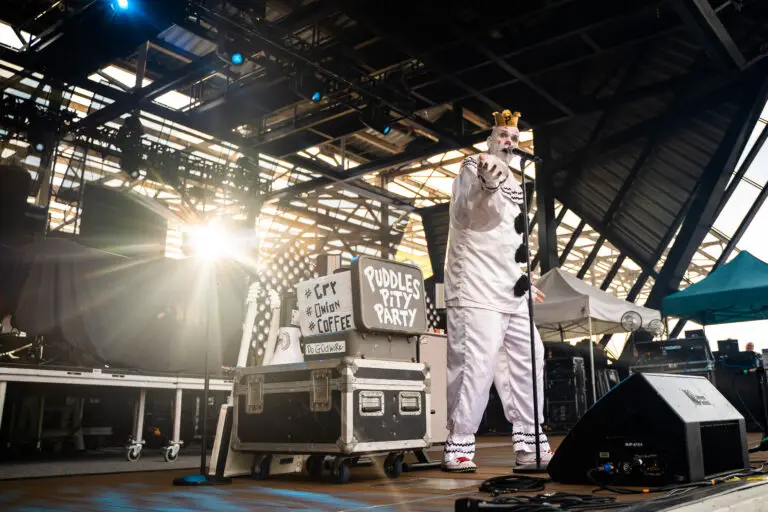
[
  {"x": 171, "y": 453},
  {"x": 393, "y": 466},
  {"x": 260, "y": 471},
  {"x": 341, "y": 473},
  {"x": 315, "y": 465},
  {"x": 133, "y": 453}
]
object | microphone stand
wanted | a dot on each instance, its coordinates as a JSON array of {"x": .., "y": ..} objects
[
  {"x": 537, "y": 467},
  {"x": 203, "y": 478}
]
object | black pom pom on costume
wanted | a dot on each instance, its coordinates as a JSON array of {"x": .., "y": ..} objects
[
  {"x": 520, "y": 224},
  {"x": 522, "y": 285},
  {"x": 520, "y": 254}
]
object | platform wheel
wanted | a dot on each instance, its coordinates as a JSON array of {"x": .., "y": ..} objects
[
  {"x": 133, "y": 453},
  {"x": 171, "y": 453},
  {"x": 340, "y": 473},
  {"x": 315, "y": 465},
  {"x": 260, "y": 470},
  {"x": 393, "y": 465}
]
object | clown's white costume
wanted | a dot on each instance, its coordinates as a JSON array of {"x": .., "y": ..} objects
[{"x": 486, "y": 297}]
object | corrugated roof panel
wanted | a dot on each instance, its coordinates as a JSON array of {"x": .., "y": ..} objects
[
  {"x": 667, "y": 180},
  {"x": 186, "y": 40}
]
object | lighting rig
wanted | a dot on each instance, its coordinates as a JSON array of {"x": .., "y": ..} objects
[
  {"x": 128, "y": 141},
  {"x": 373, "y": 96},
  {"x": 26, "y": 120},
  {"x": 375, "y": 117},
  {"x": 309, "y": 86},
  {"x": 230, "y": 48},
  {"x": 194, "y": 178}
]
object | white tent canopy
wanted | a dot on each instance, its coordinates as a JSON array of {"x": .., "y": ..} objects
[{"x": 573, "y": 309}]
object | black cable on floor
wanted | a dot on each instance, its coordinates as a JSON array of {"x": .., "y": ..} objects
[
  {"x": 509, "y": 484},
  {"x": 557, "y": 501},
  {"x": 704, "y": 483}
]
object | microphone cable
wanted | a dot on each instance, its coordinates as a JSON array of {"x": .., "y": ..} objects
[
  {"x": 556, "y": 501},
  {"x": 509, "y": 484}
]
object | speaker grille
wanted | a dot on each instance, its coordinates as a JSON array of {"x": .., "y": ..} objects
[{"x": 721, "y": 447}]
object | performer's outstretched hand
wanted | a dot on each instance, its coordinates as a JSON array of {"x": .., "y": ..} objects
[
  {"x": 538, "y": 295},
  {"x": 492, "y": 170}
]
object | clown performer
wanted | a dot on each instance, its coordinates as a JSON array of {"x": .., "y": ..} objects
[{"x": 486, "y": 296}]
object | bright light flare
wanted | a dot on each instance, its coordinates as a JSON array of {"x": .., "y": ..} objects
[
  {"x": 210, "y": 242},
  {"x": 123, "y": 4},
  {"x": 216, "y": 242}
]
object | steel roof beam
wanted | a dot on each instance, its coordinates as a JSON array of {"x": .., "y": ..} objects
[
  {"x": 361, "y": 188},
  {"x": 743, "y": 168},
  {"x": 710, "y": 189},
  {"x": 190, "y": 72},
  {"x": 269, "y": 37},
  {"x": 702, "y": 21},
  {"x": 380, "y": 165},
  {"x": 519, "y": 76},
  {"x": 354, "y": 10},
  {"x": 743, "y": 226},
  {"x": 604, "y": 145},
  {"x": 124, "y": 102},
  {"x": 671, "y": 122},
  {"x": 688, "y": 104}
]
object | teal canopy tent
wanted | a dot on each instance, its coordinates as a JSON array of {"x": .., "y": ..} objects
[{"x": 736, "y": 292}]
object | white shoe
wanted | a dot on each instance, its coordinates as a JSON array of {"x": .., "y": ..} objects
[
  {"x": 460, "y": 465},
  {"x": 524, "y": 458}
]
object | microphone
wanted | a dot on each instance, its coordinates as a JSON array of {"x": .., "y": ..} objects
[{"x": 525, "y": 155}]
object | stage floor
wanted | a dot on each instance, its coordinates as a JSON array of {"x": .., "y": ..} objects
[{"x": 368, "y": 489}]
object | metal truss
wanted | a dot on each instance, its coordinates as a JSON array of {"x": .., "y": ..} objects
[
  {"x": 339, "y": 221},
  {"x": 351, "y": 193}
]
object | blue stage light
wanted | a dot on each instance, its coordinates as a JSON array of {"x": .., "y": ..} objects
[
  {"x": 123, "y": 4},
  {"x": 387, "y": 129},
  {"x": 317, "y": 96},
  {"x": 237, "y": 58}
]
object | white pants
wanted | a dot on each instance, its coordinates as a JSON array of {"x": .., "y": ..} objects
[{"x": 487, "y": 347}]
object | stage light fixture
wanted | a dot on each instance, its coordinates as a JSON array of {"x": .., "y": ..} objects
[
  {"x": 309, "y": 86},
  {"x": 128, "y": 141},
  {"x": 122, "y": 4},
  {"x": 376, "y": 118},
  {"x": 230, "y": 47}
]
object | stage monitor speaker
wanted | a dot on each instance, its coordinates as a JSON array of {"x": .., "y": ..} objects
[
  {"x": 654, "y": 429},
  {"x": 114, "y": 221}
]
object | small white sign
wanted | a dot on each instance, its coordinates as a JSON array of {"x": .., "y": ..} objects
[
  {"x": 325, "y": 304},
  {"x": 325, "y": 347}
]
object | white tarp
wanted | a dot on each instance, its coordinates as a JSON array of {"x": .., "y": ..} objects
[{"x": 571, "y": 303}]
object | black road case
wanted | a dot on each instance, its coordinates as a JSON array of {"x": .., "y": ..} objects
[
  {"x": 345, "y": 407},
  {"x": 360, "y": 344},
  {"x": 565, "y": 393}
]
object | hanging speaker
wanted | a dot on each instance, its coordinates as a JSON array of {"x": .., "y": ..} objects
[
  {"x": 15, "y": 183},
  {"x": 654, "y": 429},
  {"x": 119, "y": 222}
]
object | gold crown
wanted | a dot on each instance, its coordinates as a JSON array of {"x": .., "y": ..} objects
[{"x": 506, "y": 118}]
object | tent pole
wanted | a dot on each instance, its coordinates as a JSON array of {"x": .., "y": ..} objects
[{"x": 592, "y": 362}]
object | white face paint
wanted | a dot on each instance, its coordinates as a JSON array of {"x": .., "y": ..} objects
[{"x": 503, "y": 138}]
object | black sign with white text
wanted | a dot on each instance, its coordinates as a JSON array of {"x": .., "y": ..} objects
[{"x": 390, "y": 296}]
